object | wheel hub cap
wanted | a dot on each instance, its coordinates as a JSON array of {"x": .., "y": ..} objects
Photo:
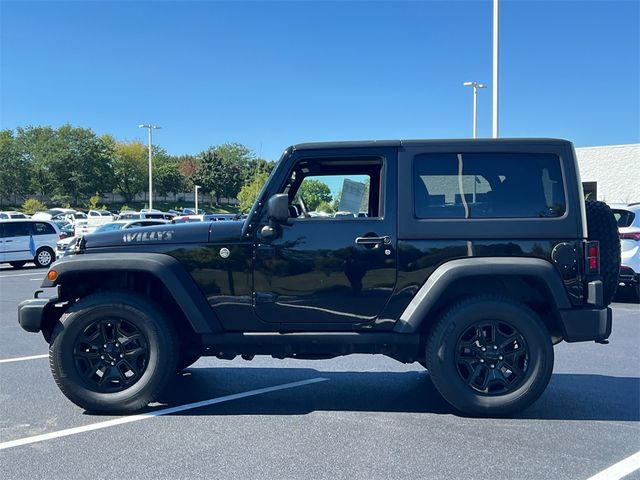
[
  {"x": 492, "y": 357},
  {"x": 111, "y": 355}
]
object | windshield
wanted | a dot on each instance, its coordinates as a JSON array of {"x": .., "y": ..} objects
[
  {"x": 260, "y": 196},
  {"x": 109, "y": 227}
]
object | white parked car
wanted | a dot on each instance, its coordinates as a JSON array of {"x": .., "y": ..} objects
[
  {"x": 63, "y": 246},
  {"x": 23, "y": 241},
  {"x": 628, "y": 218},
  {"x": 12, "y": 215}
]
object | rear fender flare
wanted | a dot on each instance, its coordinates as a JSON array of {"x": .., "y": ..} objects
[{"x": 446, "y": 274}]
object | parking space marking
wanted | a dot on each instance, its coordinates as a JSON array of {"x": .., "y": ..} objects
[
  {"x": 21, "y": 275},
  {"x": 20, "y": 359},
  {"x": 620, "y": 469},
  {"x": 158, "y": 413}
]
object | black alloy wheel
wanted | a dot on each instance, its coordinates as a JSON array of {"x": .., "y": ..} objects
[
  {"x": 113, "y": 352},
  {"x": 111, "y": 355},
  {"x": 492, "y": 357}
]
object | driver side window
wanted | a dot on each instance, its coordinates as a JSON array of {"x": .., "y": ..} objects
[{"x": 335, "y": 191}]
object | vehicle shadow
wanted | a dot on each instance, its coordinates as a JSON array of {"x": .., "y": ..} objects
[
  {"x": 6, "y": 268},
  {"x": 568, "y": 396},
  {"x": 626, "y": 295}
]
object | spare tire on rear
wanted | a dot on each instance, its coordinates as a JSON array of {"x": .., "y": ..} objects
[{"x": 602, "y": 226}]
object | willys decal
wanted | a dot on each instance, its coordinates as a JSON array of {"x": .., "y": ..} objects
[{"x": 163, "y": 236}]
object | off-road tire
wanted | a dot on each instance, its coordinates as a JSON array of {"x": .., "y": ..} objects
[
  {"x": 444, "y": 341},
  {"x": 44, "y": 257},
  {"x": 602, "y": 226},
  {"x": 160, "y": 340}
]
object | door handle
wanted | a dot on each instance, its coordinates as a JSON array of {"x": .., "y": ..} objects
[{"x": 373, "y": 240}]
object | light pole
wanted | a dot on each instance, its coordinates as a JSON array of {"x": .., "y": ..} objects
[
  {"x": 150, "y": 127},
  {"x": 197, "y": 187},
  {"x": 475, "y": 86},
  {"x": 496, "y": 25}
]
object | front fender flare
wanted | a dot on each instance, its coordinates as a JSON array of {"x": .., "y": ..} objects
[{"x": 165, "y": 268}]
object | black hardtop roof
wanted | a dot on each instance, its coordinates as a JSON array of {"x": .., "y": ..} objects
[{"x": 418, "y": 143}]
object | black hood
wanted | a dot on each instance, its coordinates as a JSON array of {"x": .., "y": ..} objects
[
  {"x": 181, "y": 233},
  {"x": 196, "y": 232}
]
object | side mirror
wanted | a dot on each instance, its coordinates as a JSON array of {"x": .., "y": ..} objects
[{"x": 278, "y": 208}]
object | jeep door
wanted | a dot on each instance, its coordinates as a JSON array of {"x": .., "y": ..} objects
[{"x": 334, "y": 260}]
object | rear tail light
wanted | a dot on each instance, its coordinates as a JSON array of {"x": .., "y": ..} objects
[
  {"x": 62, "y": 236},
  {"x": 593, "y": 257},
  {"x": 630, "y": 236}
]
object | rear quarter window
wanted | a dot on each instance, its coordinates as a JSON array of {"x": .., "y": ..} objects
[
  {"x": 40, "y": 228},
  {"x": 624, "y": 218},
  {"x": 488, "y": 185}
]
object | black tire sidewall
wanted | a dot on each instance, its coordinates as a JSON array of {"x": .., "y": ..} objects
[
  {"x": 441, "y": 351},
  {"x": 161, "y": 364}
]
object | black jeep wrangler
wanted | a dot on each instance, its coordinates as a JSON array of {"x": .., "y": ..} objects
[{"x": 472, "y": 258}]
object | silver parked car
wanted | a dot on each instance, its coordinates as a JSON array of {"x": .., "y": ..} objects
[{"x": 23, "y": 241}]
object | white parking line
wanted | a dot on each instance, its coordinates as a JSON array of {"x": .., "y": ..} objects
[
  {"x": 620, "y": 469},
  {"x": 20, "y": 359},
  {"x": 21, "y": 275},
  {"x": 158, "y": 413}
]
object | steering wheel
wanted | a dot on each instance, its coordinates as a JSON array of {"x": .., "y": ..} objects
[{"x": 305, "y": 213}]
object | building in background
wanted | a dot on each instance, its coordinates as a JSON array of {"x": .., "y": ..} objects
[{"x": 611, "y": 173}]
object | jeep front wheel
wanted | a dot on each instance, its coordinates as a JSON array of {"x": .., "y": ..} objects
[
  {"x": 113, "y": 353},
  {"x": 490, "y": 356}
]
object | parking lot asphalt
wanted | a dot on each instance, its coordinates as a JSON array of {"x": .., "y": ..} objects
[{"x": 357, "y": 417}]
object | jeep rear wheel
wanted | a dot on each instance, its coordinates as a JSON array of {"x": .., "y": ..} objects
[
  {"x": 490, "y": 356},
  {"x": 113, "y": 353}
]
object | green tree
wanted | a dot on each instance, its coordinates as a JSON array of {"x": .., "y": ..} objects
[
  {"x": 130, "y": 160},
  {"x": 249, "y": 191},
  {"x": 314, "y": 192},
  {"x": 256, "y": 166},
  {"x": 32, "y": 205},
  {"x": 326, "y": 207},
  {"x": 36, "y": 146},
  {"x": 218, "y": 175},
  {"x": 14, "y": 169},
  {"x": 167, "y": 178},
  {"x": 80, "y": 163}
]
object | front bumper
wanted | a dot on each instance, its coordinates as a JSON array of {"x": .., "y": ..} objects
[
  {"x": 32, "y": 313},
  {"x": 586, "y": 324}
]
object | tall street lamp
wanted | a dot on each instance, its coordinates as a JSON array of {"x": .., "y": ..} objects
[
  {"x": 475, "y": 86},
  {"x": 150, "y": 127},
  {"x": 197, "y": 187},
  {"x": 496, "y": 30}
]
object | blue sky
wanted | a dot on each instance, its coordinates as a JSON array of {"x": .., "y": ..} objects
[{"x": 269, "y": 74}]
